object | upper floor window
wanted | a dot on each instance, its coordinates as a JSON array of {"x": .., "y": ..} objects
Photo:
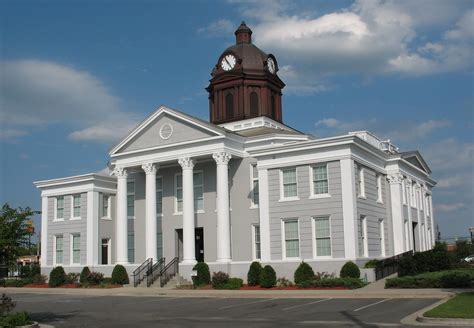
[
  {"x": 320, "y": 180},
  {"x": 59, "y": 208},
  {"x": 229, "y": 105},
  {"x": 131, "y": 199},
  {"x": 76, "y": 206},
  {"x": 159, "y": 195},
  {"x": 254, "y": 185},
  {"x": 105, "y": 209},
  {"x": 253, "y": 104},
  {"x": 379, "y": 188},
  {"x": 289, "y": 185},
  {"x": 198, "y": 192},
  {"x": 58, "y": 249},
  {"x": 361, "y": 183},
  {"x": 322, "y": 235}
]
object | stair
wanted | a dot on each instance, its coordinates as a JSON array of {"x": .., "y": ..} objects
[{"x": 174, "y": 282}]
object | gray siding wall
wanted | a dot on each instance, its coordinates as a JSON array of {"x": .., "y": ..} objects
[
  {"x": 66, "y": 228},
  {"x": 304, "y": 209},
  {"x": 373, "y": 211}
]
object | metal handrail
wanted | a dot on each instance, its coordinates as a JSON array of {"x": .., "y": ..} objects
[
  {"x": 140, "y": 273},
  {"x": 155, "y": 271},
  {"x": 389, "y": 265},
  {"x": 169, "y": 271}
]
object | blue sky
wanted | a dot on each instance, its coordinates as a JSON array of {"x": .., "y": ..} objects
[{"x": 75, "y": 76}]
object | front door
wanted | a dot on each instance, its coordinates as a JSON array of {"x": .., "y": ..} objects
[
  {"x": 198, "y": 244},
  {"x": 105, "y": 251}
]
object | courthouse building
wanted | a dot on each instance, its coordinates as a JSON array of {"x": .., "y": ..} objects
[{"x": 241, "y": 187}]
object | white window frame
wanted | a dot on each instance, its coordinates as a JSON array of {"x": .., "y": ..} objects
[
  {"x": 283, "y": 239},
  {"x": 55, "y": 251},
  {"x": 364, "y": 235},
  {"x": 254, "y": 243},
  {"x": 71, "y": 248},
  {"x": 282, "y": 191},
  {"x": 313, "y": 234},
  {"x": 379, "y": 188},
  {"x": 72, "y": 207},
  {"x": 254, "y": 179},
  {"x": 382, "y": 237},
  {"x": 108, "y": 215},
  {"x": 130, "y": 194},
  {"x": 56, "y": 218},
  {"x": 311, "y": 181},
  {"x": 361, "y": 182},
  {"x": 200, "y": 211}
]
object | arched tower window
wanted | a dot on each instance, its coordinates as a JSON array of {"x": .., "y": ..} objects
[
  {"x": 229, "y": 105},
  {"x": 253, "y": 104},
  {"x": 274, "y": 113}
]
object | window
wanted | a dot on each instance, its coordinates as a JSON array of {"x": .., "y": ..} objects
[
  {"x": 253, "y": 104},
  {"x": 407, "y": 236},
  {"x": 413, "y": 200},
  {"x": 404, "y": 191},
  {"x": 320, "y": 180},
  {"x": 427, "y": 199},
  {"x": 291, "y": 238},
  {"x": 76, "y": 206},
  {"x": 363, "y": 236},
  {"x": 131, "y": 247},
  {"x": 76, "y": 249},
  {"x": 382, "y": 237},
  {"x": 131, "y": 199},
  {"x": 361, "y": 182},
  {"x": 254, "y": 185},
  {"x": 379, "y": 188},
  {"x": 59, "y": 208},
  {"x": 105, "y": 206},
  {"x": 198, "y": 192},
  {"x": 229, "y": 105},
  {"x": 322, "y": 235},
  {"x": 421, "y": 200},
  {"x": 289, "y": 184},
  {"x": 58, "y": 247},
  {"x": 105, "y": 252},
  {"x": 159, "y": 239},
  {"x": 159, "y": 195},
  {"x": 257, "y": 252}
]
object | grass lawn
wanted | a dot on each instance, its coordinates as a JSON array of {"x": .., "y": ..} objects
[{"x": 461, "y": 306}]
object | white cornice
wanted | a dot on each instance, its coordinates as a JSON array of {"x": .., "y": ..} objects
[{"x": 77, "y": 179}]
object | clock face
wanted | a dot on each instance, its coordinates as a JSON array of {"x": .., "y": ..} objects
[
  {"x": 228, "y": 62},
  {"x": 271, "y": 65}
]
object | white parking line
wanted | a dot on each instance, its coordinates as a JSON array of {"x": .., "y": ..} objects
[
  {"x": 296, "y": 306},
  {"x": 243, "y": 304},
  {"x": 365, "y": 307}
]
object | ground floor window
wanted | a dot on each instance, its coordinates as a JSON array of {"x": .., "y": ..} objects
[
  {"x": 105, "y": 251},
  {"x": 256, "y": 242},
  {"x": 76, "y": 248},
  {"x": 58, "y": 248},
  {"x": 382, "y": 237},
  {"x": 363, "y": 252},
  {"x": 322, "y": 232},
  {"x": 131, "y": 247},
  {"x": 291, "y": 238}
]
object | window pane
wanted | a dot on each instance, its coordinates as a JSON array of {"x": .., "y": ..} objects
[
  {"x": 321, "y": 187},
  {"x": 59, "y": 243},
  {"x": 291, "y": 230},
  {"x": 159, "y": 202},
  {"x": 290, "y": 190},
  {"x": 130, "y": 205},
  {"x": 197, "y": 178},
  {"x": 179, "y": 181},
  {"x": 130, "y": 187},
  {"x": 60, "y": 213},
  {"x": 292, "y": 248},
  {"x": 60, "y": 202},
  {"x": 76, "y": 242},
  {"x": 131, "y": 248},
  {"x": 255, "y": 171},
  {"x": 77, "y": 200},
  {"x": 289, "y": 176},
  {"x": 323, "y": 247},
  {"x": 159, "y": 183},
  {"x": 320, "y": 172},
  {"x": 322, "y": 227},
  {"x": 256, "y": 194}
]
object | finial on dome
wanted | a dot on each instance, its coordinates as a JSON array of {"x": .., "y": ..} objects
[{"x": 243, "y": 34}]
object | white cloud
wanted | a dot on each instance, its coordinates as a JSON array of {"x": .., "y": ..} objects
[
  {"x": 449, "y": 207},
  {"x": 220, "y": 27},
  {"x": 38, "y": 93},
  {"x": 332, "y": 126},
  {"x": 414, "y": 131},
  {"x": 11, "y": 134}
]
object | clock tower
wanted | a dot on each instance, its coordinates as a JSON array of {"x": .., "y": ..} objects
[{"x": 244, "y": 83}]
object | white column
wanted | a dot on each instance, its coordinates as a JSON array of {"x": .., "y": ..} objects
[
  {"x": 395, "y": 181},
  {"x": 223, "y": 219},
  {"x": 433, "y": 229},
  {"x": 264, "y": 212},
  {"x": 189, "y": 255},
  {"x": 44, "y": 231},
  {"x": 150, "y": 218},
  {"x": 121, "y": 227},
  {"x": 410, "y": 219},
  {"x": 92, "y": 248},
  {"x": 349, "y": 207}
]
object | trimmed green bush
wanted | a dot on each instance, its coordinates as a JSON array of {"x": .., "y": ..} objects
[
  {"x": 254, "y": 274},
  {"x": 120, "y": 275},
  {"x": 57, "y": 277},
  {"x": 268, "y": 277},
  {"x": 456, "y": 280},
  {"x": 463, "y": 249},
  {"x": 16, "y": 319},
  {"x": 84, "y": 275},
  {"x": 406, "y": 266},
  {"x": 203, "y": 276},
  {"x": 14, "y": 283},
  {"x": 303, "y": 273},
  {"x": 350, "y": 270},
  {"x": 232, "y": 283},
  {"x": 219, "y": 278},
  {"x": 446, "y": 279},
  {"x": 371, "y": 264}
]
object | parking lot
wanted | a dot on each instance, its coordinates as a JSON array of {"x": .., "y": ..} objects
[{"x": 124, "y": 311}]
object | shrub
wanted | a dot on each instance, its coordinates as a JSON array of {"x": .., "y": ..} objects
[
  {"x": 219, "y": 278},
  {"x": 95, "y": 278},
  {"x": 2, "y": 282},
  {"x": 456, "y": 280},
  {"x": 441, "y": 261},
  {"x": 232, "y": 283},
  {"x": 35, "y": 269},
  {"x": 14, "y": 283},
  {"x": 17, "y": 319},
  {"x": 57, "y": 277},
  {"x": 440, "y": 247},
  {"x": 119, "y": 275},
  {"x": 371, "y": 264},
  {"x": 84, "y": 274},
  {"x": 254, "y": 274},
  {"x": 72, "y": 278},
  {"x": 406, "y": 266},
  {"x": 24, "y": 271},
  {"x": 283, "y": 282},
  {"x": 424, "y": 261},
  {"x": 268, "y": 277},
  {"x": 39, "y": 279},
  {"x": 304, "y": 272},
  {"x": 350, "y": 270},
  {"x": 203, "y": 276}
]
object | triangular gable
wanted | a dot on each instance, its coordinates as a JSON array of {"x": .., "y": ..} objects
[
  {"x": 166, "y": 127},
  {"x": 415, "y": 158}
]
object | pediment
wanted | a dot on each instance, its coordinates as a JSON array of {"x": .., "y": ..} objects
[
  {"x": 166, "y": 127},
  {"x": 417, "y": 160}
]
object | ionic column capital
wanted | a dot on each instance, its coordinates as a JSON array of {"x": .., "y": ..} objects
[
  {"x": 150, "y": 168},
  {"x": 120, "y": 172},
  {"x": 222, "y": 157},
  {"x": 394, "y": 178},
  {"x": 186, "y": 163}
]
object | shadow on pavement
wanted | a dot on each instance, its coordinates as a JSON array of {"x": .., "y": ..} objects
[
  {"x": 356, "y": 321},
  {"x": 50, "y": 317}
]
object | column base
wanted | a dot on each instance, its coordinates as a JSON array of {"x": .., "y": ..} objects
[
  {"x": 189, "y": 262},
  {"x": 227, "y": 260}
]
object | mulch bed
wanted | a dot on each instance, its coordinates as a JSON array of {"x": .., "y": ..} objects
[
  {"x": 36, "y": 286},
  {"x": 246, "y": 287},
  {"x": 71, "y": 286}
]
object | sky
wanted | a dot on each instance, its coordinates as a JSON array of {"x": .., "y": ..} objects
[{"x": 76, "y": 76}]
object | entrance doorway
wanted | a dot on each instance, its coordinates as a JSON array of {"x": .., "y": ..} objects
[
  {"x": 416, "y": 242},
  {"x": 198, "y": 244},
  {"x": 105, "y": 252}
]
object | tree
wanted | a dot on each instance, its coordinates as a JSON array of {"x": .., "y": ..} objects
[{"x": 14, "y": 232}]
